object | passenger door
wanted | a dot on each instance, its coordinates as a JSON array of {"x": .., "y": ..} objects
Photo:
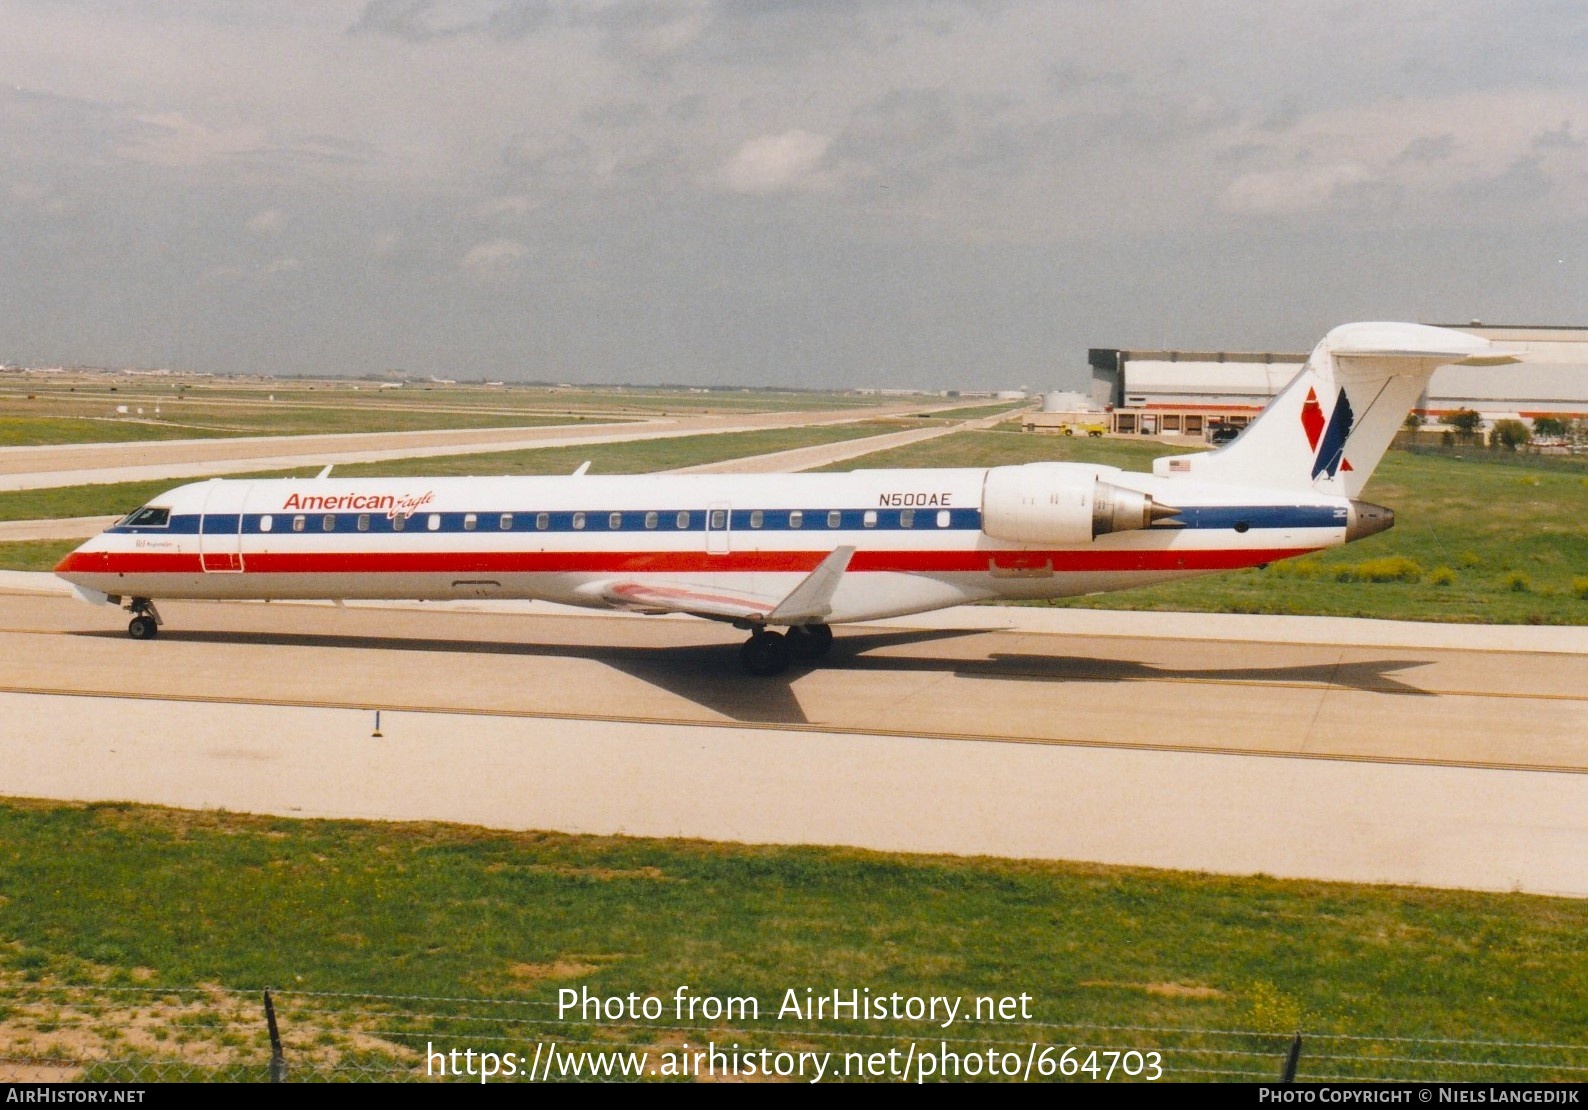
[{"x": 220, "y": 528}]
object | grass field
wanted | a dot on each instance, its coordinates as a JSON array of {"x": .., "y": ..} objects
[
  {"x": 179, "y": 421},
  {"x": 1475, "y": 541},
  {"x": 34, "y": 555},
  {"x": 138, "y": 898},
  {"x": 87, "y": 412},
  {"x": 634, "y": 457}
]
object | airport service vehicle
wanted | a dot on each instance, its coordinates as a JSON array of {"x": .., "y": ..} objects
[
  {"x": 784, "y": 557},
  {"x": 1094, "y": 430}
]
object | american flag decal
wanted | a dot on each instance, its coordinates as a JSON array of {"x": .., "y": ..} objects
[{"x": 1180, "y": 466}]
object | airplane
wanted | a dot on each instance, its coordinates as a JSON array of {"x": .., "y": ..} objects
[{"x": 784, "y": 557}]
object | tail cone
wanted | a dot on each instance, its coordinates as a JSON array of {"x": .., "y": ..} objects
[{"x": 1367, "y": 519}]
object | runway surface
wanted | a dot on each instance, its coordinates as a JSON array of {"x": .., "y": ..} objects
[
  {"x": 1405, "y": 763},
  {"x": 95, "y": 463}
]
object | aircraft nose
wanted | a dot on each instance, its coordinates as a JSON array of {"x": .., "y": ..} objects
[{"x": 1368, "y": 519}]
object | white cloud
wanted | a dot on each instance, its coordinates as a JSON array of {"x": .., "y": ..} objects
[
  {"x": 1292, "y": 190},
  {"x": 1429, "y": 150},
  {"x": 775, "y": 163},
  {"x": 171, "y": 139},
  {"x": 494, "y": 256},
  {"x": 385, "y": 244},
  {"x": 41, "y": 199},
  {"x": 268, "y": 222},
  {"x": 506, "y": 207}
]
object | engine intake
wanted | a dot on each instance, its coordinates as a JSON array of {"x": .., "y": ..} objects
[{"x": 1054, "y": 504}]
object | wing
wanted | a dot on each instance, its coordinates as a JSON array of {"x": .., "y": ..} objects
[{"x": 808, "y": 602}]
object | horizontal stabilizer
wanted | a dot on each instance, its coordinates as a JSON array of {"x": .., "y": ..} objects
[{"x": 1331, "y": 425}]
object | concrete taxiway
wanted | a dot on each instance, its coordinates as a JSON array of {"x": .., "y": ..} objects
[{"x": 977, "y": 731}]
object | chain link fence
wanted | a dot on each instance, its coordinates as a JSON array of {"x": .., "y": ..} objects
[{"x": 96, "y": 1033}]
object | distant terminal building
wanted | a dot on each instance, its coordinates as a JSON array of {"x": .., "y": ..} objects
[{"x": 1193, "y": 392}]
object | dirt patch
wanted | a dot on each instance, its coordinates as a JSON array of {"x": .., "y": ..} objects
[
  {"x": 602, "y": 874},
  {"x": 1162, "y": 990},
  {"x": 51, "y": 1031},
  {"x": 557, "y": 969}
]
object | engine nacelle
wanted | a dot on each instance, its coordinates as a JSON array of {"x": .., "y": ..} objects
[{"x": 1056, "y": 505}]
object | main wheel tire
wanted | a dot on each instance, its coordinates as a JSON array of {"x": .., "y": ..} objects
[
  {"x": 809, "y": 641},
  {"x": 142, "y": 627},
  {"x": 765, "y": 654}
]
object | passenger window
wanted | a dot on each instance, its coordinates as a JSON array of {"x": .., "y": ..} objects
[
  {"x": 756, "y": 518},
  {"x": 399, "y": 521},
  {"x": 870, "y": 519},
  {"x": 651, "y": 520},
  {"x": 265, "y": 523},
  {"x": 796, "y": 519},
  {"x": 833, "y": 518},
  {"x": 542, "y": 521},
  {"x": 615, "y": 521},
  {"x": 328, "y": 522},
  {"x": 363, "y": 522},
  {"x": 504, "y": 523},
  {"x": 683, "y": 520},
  {"x": 942, "y": 518},
  {"x": 297, "y": 524},
  {"x": 578, "y": 521},
  {"x": 434, "y": 523},
  {"x": 469, "y": 521},
  {"x": 906, "y": 518}
]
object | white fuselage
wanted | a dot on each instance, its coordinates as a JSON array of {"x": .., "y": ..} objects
[{"x": 919, "y": 537}]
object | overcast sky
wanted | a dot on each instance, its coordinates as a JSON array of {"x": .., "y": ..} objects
[{"x": 932, "y": 193}]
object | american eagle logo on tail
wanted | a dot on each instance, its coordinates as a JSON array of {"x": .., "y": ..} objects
[{"x": 1328, "y": 440}]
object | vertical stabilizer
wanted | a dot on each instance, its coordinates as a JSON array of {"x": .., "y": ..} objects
[{"x": 1331, "y": 425}]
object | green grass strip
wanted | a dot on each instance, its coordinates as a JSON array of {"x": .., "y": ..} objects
[{"x": 126, "y": 895}]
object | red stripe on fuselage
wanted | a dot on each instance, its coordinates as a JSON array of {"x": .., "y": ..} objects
[{"x": 673, "y": 562}]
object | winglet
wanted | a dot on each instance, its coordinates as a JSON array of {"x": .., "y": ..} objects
[{"x": 812, "y": 599}]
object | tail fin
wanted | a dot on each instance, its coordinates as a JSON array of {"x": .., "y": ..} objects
[{"x": 1331, "y": 425}]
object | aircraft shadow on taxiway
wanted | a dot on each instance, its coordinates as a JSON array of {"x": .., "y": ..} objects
[{"x": 708, "y": 675}]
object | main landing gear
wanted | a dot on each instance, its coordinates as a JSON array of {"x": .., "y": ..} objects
[
  {"x": 768, "y": 653},
  {"x": 146, "y": 622}
]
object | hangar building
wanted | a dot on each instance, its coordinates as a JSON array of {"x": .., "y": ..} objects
[{"x": 1190, "y": 392}]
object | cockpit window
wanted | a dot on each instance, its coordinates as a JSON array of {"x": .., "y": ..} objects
[{"x": 147, "y": 517}]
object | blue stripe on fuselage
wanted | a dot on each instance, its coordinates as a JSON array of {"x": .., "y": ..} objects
[{"x": 1206, "y": 517}]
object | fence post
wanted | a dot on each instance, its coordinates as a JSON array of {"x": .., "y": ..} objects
[
  {"x": 1292, "y": 1059},
  {"x": 278, "y": 1062}
]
